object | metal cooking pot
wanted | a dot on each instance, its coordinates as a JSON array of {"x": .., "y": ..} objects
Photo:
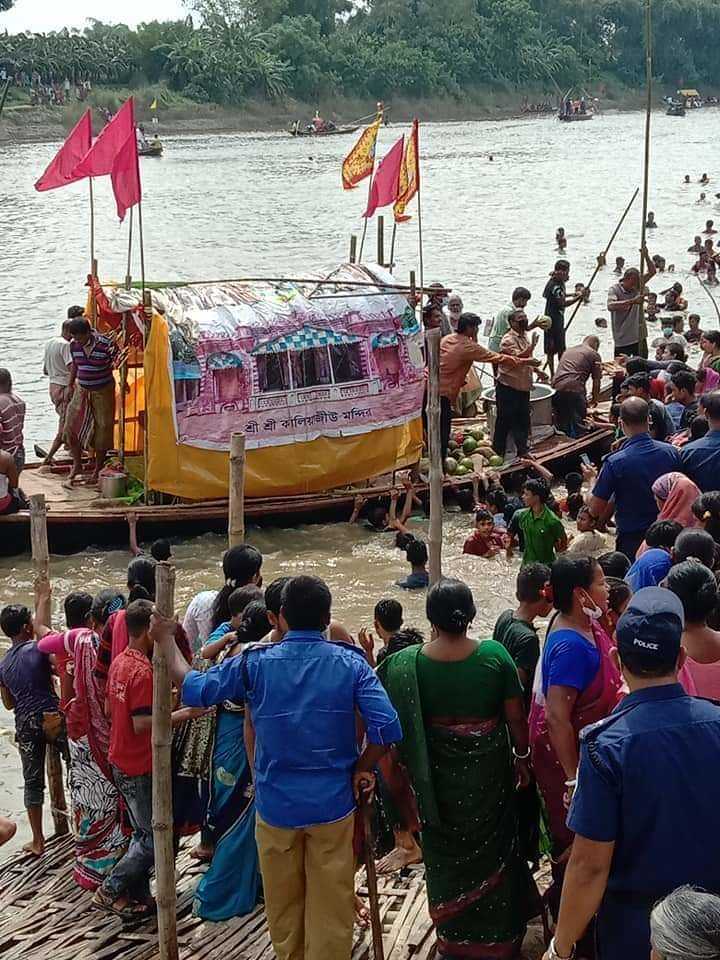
[{"x": 113, "y": 485}]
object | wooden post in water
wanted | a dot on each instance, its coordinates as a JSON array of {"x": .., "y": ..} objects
[
  {"x": 413, "y": 289},
  {"x": 435, "y": 454},
  {"x": 41, "y": 562},
  {"x": 643, "y": 350},
  {"x": 381, "y": 241},
  {"x": 162, "y": 811},
  {"x": 236, "y": 507},
  {"x": 353, "y": 248}
]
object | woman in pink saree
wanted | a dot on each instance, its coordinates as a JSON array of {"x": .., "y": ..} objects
[
  {"x": 576, "y": 684},
  {"x": 675, "y": 495}
]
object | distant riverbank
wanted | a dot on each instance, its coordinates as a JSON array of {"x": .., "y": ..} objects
[{"x": 23, "y": 123}]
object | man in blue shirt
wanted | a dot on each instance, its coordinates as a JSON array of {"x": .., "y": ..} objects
[
  {"x": 303, "y": 693},
  {"x": 628, "y": 476},
  {"x": 700, "y": 459},
  {"x": 645, "y": 808}
]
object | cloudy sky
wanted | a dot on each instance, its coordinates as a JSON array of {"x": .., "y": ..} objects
[{"x": 42, "y": 15}]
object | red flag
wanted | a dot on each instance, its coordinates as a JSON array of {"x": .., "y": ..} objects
[
  {"x": 125, "y": 176},
  {"x": 384, "y": 188},
  {"x": 60, "y": 170},
  {"x": 98, "y": 161}
]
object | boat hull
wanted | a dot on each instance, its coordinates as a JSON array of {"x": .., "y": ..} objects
[{"x": 339, "y": 131}]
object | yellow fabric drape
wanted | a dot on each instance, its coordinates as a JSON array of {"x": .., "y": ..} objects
[{"x": 287, "y": 470}]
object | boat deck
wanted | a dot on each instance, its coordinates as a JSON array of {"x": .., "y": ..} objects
[
  {"x": 79, "y": 517},
  {"x": 46, "y": 915}
]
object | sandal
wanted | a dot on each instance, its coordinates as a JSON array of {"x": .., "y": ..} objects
[{"x": 134, "y": 912}]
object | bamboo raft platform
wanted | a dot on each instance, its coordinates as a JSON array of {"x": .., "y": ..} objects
[
  {"x": 46, "y": 915},
  {"x": 79, "y": 517}
]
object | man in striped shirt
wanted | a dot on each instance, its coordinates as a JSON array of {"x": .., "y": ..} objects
[
  {"x": 12, "y": 421},
  {"x": 92, "y": 384}
]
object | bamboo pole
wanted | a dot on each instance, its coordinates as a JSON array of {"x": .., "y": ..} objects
[
  {"x": 39, "y": 536},
  {"x": 353, "y": 248},
  {"x": 373, "y": 901},
  {"x": 392, "y": 245},
  {"x": 381, "y": 241},
  {"x": 236, "y": 506},
  {"x": 309, "y": 280},
  {"x": 712, "y": 298},
  {"x": 162, "y": 812},
  {"x": 643, "y": 348},
  {"x": 435, "y": 453},
  {"x": 41, "y": 562},
  {"x": 147, "y": 318}
]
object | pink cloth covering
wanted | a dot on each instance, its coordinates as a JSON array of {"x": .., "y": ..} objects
[
  {"x": 677, "y": 493},
  {"x": 706, "y": 678}
]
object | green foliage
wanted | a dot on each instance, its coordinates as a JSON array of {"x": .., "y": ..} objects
[{"x": 230, "y": 50}]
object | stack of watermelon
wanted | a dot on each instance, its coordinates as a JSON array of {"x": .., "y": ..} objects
[{"x": 468, "y": 450}]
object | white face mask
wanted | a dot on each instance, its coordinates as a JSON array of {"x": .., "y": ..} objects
[{"x": 593, "y": 613}]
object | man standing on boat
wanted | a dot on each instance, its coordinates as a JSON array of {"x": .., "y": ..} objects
[
  {"x": 556, "y": 300},
  {"x": 458, "y": 352},
  {"x": 91, "y": 411},
  {"x": 57, "y": 367},
  {"x": 626, "y": 307}
]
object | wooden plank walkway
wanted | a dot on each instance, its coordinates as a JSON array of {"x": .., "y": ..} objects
[{"x": 44, "y": 914}]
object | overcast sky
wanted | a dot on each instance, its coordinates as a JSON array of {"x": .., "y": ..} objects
[{"x": 43, "y": 15}]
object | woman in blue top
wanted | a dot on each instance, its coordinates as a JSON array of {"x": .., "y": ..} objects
[{"x": 575, "y": 684}]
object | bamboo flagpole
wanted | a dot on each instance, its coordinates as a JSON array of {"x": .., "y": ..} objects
[
  {"x": 236, "y": 506},
  {"x": 435, "y": 454},
  {"x": 93, "y": 260},
  {"x": 378, "y": 120},
  {"x": 643, "y": 349},
  {"x": 162, "y": 812}
]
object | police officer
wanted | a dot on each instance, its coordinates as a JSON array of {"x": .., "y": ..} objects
[{"x": 645, "y": 810}]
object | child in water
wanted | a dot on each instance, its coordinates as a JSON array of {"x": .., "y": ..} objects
[
  {"x": 485, "y": 540},
  {"x": 561, "y": 239}
]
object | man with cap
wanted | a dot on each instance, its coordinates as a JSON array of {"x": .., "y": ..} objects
[
  {"x": 628, "y": 475},
  {"x": 644, "y": 811}
]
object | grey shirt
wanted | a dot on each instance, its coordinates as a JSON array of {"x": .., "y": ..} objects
[{"x": 625, "y": 323}]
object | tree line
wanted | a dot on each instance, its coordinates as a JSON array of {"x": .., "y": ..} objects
[{"x": 229, "y": 50}]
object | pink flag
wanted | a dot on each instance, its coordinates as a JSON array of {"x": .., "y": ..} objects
[
  {"x": 98, "y": 161},
  {"x": 125, "y": 176},
  {"x": 60, "y": 171},
  {"x": 384, "y": 188}
]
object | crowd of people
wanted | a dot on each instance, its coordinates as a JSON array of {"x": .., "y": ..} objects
[
  {"x": 584, "y": 729},
  {"x": 47, "y": 90}
]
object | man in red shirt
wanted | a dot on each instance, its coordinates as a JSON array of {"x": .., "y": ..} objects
[{"x": 126, "y": 890}]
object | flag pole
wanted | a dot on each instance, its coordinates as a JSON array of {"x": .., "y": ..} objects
[
  {"x": 392, "y": 246},
  {"x": 147, "y": 314},
  {"x": 93, "y": 261},
  {"x": 643, "y": 349}
]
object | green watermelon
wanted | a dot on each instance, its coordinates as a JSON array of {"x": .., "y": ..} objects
[
  {"x": 467, "y": 463},
  {"x": 469, "y": 445},
  {"x": 452, "y": 445},
  {"x": 451, "y": 466},
  {"x": 496, "y": 461},
  {"x": 477, "y": 434},
  {"x": 462, "y": 471}
]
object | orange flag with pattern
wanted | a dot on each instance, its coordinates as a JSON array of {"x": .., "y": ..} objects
[
  {"x": 359, "y": 163},
  {"x": 409, "y": 183}
]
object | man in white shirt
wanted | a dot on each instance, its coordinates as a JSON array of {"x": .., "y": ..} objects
[{"x": 57, "y": 367}]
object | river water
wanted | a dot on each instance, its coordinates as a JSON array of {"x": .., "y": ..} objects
[{"x": 258, "y": 204}]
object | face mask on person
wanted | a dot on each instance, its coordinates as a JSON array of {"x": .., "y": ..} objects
[
  {"x": 590, "y": 608},
  {"x": 667, "y": 332}
]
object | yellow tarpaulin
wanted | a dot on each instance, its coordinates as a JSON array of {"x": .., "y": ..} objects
[
  {"x": 285, "y": 470},
  {"x": 688, "y": 93}
]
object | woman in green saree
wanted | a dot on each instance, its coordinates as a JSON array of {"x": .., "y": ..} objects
[{"x": 465, "y": 747}]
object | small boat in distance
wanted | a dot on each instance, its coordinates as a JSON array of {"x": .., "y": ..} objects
[
  {"x": 152, "y": 148},
  {"x": 329, "y": 130},
  {"x": 675, "y": 109},
  {"x": 574, "y": 109}
]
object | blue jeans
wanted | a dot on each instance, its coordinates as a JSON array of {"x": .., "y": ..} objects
[{"x": 131, "y": 874}]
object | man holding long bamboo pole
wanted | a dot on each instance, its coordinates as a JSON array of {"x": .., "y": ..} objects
[{"x": 626, "y": 304}]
